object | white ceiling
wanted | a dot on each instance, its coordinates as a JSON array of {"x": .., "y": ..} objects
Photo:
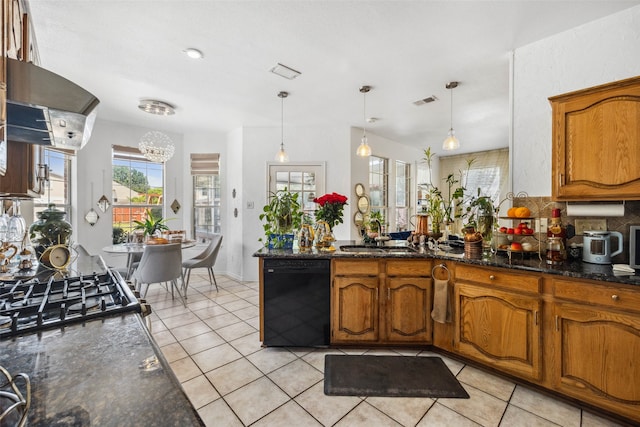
[{"x": 126, "y": 50}]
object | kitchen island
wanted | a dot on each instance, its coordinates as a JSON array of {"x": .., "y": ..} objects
[
  {"x": 104, "y": 371},
  {"x": 572, "y": 329}
]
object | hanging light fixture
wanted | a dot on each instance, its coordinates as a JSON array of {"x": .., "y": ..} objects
[
  {"x": 364, "y": 150},
  {"x": 282, "y": 155},
  {"x": 451, "y": 142},
  {"x": 156, "y": 146}
]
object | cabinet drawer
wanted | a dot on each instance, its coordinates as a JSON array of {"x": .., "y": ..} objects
[
  {"x": 499, "y": 277},
  {"x": 355, "y": 267},
  {"x": 414, "y": 268},
  {"x": 595, "y": 293}
]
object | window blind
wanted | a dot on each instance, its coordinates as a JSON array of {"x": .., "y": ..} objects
[
  {"x": 205, "y": 163},
  {"x": 124, "y": 152},
  {"x": 489, "y": 172}
]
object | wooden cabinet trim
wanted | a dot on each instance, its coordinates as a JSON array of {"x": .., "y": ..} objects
[
  {"x": 590, "y": 292},
  {"x": 499, "y": 277},
  {"x": 409, "y": 267},
  {"x": 359, "y": 267}
]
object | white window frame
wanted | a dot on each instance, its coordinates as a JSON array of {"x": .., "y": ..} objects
[{"x": 318, "y": 168}]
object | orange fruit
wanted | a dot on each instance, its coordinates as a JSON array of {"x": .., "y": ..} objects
[
  {"x": 523, "y": 212},
  {"x": 512, "y": 212}
]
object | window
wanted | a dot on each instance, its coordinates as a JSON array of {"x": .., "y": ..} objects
[
  {"x": 58, "y": 188},
  {"x": 205, "y": 169},
  {"x": 489, "y": 172},
  {"x": 305, "y": 179},
  {"x": 379, "y": 185},
  {"x": 138, "y": 185},
  {"x": 403, "y": 192}
]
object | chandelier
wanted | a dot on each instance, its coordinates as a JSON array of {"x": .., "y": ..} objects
[{"x": 156, "y": 146}]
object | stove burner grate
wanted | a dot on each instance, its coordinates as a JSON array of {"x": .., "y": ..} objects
[
  {"x": 88, "y": 305},
  {"x": 33, "y": 306}
]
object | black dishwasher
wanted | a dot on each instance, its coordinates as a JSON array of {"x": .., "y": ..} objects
[{"x": 297, "y": 295}]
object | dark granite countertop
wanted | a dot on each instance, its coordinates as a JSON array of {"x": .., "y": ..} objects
[
  {"x": 519, "y": 261},
  {"x": 88, "y": 374}
]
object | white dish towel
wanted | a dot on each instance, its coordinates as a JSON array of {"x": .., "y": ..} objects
[
  {"x": 441, "y": 312},
  {"x": 624, "y": 268}
]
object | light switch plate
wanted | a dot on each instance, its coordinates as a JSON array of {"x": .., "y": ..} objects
[{"x": 598, "y": 224}]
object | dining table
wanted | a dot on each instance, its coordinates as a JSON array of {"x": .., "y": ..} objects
[{"x": 132, "y": 249}]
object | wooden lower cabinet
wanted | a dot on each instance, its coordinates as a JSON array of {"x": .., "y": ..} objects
[
  {"x": 408, "y": 310},
  {"x": 381, "y": 307},
  {"x": 355, "y": 309},
  {"x": 597, "y": 357},
  {"x": 499, "y": 328},
  {"x": 588, "y": 331}
]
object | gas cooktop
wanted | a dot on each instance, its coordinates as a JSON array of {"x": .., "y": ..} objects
[{"x": 34, "y": 305}]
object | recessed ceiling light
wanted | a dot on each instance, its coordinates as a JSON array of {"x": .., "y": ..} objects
[
  {"x": 284, "y": 71},
  {"x": 193, "y": 53},
  {"x": 153, "y": 106}
]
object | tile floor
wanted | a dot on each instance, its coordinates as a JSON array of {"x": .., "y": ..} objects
[{"x": 214, "y": 349}]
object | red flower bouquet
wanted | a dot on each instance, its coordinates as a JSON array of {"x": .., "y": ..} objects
[{"x": 330, "y": 209}]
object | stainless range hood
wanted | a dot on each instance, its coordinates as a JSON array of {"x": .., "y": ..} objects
[{"x": 45, "y": 108}]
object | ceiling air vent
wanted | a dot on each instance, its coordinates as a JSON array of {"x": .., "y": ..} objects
[{"x": 425, "y": 100}]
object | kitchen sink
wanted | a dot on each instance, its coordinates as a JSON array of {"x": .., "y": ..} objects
[
  {"x": 377, "y": 249},
  {"x": 361, "y": 249},
  {"x": 399, "y": 249}
]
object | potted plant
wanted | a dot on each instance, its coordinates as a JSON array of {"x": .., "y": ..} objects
[
  {"x": 152, "y": 226},
  {"x": 442, "y": 209},
  {"x": 282, "y": 215}
]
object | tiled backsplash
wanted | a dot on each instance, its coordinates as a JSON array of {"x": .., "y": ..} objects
[{"x": 541, "y": 207}]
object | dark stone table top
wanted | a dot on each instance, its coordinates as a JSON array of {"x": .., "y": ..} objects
[
  {"x": 518, "y": 261},
  {"x": 89, "y": 374}
]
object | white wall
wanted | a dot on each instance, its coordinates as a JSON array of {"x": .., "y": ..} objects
[
  {"x": 599, "y": 52},
  {"x": 303, "y": 144},
  {"x": 95, "y": 159},
  {"x": 234, "y": 234},
  {"x": 244, "y": 154}
]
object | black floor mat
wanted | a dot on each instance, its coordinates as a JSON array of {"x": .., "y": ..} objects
[{"x": 391, "y": 376}]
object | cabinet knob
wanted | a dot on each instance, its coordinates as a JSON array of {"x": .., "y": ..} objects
[
  {"x": 492, "y": 277},
  {"x": 615, "y": 297}
]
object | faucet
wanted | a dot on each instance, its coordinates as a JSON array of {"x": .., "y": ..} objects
[
  {"x": 379, "y": 226},
  {"x": 381, "y": 238}
]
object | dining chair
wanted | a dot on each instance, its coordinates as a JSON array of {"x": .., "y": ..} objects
[
  {"x": 206, "y": 259},
  {"x": 133, "y": 260},
  {"x": 160, "y": 264}
]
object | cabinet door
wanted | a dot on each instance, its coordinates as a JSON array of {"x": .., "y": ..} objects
[
  {"x": 355, "y": 309},
  {"x": 499, "y": 328},
  {"x": 408, "y": 310},
  {"x": 597, "y": 357},
  {"x": 596, "y": 140}
]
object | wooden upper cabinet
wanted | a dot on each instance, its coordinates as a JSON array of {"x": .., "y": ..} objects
[{"x": 596, "y": 143}]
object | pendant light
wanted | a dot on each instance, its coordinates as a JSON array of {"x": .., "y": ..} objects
[
  {"x": 282, "y": 155},
  {"x": 451, "y": 142},
  {"x": 364, "y": 150}
]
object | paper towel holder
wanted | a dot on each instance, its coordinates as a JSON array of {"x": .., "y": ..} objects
[{"x": 606, "y": 209}]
